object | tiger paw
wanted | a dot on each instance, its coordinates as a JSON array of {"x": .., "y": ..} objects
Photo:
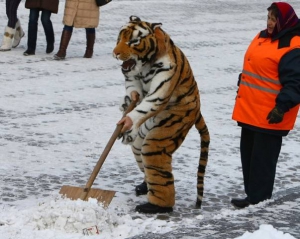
[
  {"x": 141, "y": 189},
  {"x": 124, "y": 103},
  {"x": 129, "y": 136},
  {"x": 151, "y": 208}
]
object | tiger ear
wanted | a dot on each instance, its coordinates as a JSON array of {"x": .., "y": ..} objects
[
  {"x": 134, "y": 19},
  {"x": 162, "y": 42},
  {"x": 155, "y": 25}
]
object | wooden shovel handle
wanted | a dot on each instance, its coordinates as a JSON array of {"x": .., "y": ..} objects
[{"x": 104, "y": 154}]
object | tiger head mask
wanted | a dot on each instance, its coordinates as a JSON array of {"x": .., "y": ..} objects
[{"x": 139, "y": 43}]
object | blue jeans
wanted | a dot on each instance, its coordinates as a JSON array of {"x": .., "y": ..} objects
[
  {"x": 87, "y": 30},
  {"x": 33, "y": 27}
]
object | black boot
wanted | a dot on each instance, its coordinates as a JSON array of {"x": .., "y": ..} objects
[
  {"x": 240, "y": 203},
  {"x": 50, "y": 48},
  {"x": 32, "y": 36},
  {"x": 141, "y": 189},
  {"x": 151, "y": 208},
  {"x": 64, "y": 42},
  {"x": 28, "y": 52}
]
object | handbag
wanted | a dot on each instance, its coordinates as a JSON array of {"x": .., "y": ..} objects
[{"x": 101, "y": 3}]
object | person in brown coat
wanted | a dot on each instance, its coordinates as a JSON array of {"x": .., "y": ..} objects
[
  {"x": 47, "y": 8},
  {"x": 79, "y": 14}
]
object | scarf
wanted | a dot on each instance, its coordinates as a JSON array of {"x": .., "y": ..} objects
[{"x": 287, "y": 17}]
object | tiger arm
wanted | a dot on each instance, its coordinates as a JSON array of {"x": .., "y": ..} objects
[
  {"x": 161, "y": 90},
  {"x": 154, "y": 102},
  {"x": 131, "y": 85}
]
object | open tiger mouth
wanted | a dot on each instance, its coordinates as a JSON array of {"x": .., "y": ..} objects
[{"x": 128, "y": 65}]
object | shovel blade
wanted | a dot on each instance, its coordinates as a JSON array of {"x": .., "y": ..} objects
[{"x": 74, "y": 193}]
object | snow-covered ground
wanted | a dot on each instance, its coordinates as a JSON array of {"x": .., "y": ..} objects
[{"x": 56, "y": 118}]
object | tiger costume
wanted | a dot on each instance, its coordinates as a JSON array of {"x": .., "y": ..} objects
[{"x": 168, "y": 106}]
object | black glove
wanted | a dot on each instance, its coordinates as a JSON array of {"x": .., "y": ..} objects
[
  {"x": 239, "y": 79},
  {"x": 275, "y": 116}
]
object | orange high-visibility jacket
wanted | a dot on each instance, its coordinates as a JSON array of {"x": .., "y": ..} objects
[{"x": 260, "y": 85}]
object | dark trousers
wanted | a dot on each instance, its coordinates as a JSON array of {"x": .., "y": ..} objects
[
  {"x": 87, "y": 30},
  {"x": 33, "y": 27},
  {"x": 11, "y": 12},
  {"x": 259, "y": 156}
]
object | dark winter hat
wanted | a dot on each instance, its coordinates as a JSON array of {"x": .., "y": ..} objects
[{"x": 286, "y": 17}]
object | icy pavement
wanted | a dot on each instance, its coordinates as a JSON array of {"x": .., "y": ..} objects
[
  {"x": 282, "y": 212},
  {"x": 56, "y": 118}
]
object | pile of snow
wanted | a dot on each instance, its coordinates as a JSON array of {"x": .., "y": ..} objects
[
  {"x": 68, "y": 219},
  {"x": 266, "y": 232}
]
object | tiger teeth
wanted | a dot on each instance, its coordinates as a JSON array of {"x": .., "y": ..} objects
[{"x": 128, "y": 65}]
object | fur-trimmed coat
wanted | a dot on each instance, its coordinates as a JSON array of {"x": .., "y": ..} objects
[
  {"x": 51, "y": 5},
  {"x": 81, "y": 14}
]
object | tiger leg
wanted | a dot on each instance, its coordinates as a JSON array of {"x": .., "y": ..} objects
[
  {"x": 140, "y": 189},
  {"x": 138, "y": 142},
  {"x": 136, "y": 150},
  {"x": 159, "y": 145}
]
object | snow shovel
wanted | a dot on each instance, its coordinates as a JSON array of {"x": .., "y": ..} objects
[{"x": 103, "y": 196}]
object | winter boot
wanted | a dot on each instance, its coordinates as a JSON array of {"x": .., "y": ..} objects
[
  {"x": 19, "y": 34},
  {"x": 29, "y": 52},
  {"x": 240, "y": 203},
  {"x": 64, "y": 42},
  {"x": 50, "y": 48},
  {"x": 32, "y": 37},
  {"x": 7, "y": 39},
  {"x": 90, "y": 40}
]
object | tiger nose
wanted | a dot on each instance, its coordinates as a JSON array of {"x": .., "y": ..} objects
[{"x": 116, "y": 53}]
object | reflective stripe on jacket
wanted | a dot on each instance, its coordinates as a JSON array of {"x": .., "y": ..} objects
[{"x": 260, "y": 85}]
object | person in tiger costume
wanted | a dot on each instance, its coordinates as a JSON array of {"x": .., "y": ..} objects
[{"x": 158, "y": 74}]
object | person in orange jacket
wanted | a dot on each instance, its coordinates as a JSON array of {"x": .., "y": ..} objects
[{"x": 268, "y": 100}]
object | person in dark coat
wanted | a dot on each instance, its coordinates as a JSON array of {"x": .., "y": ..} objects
[
  {"x": 47, "y": 8},
  {"x": 268, "y": 100}
]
